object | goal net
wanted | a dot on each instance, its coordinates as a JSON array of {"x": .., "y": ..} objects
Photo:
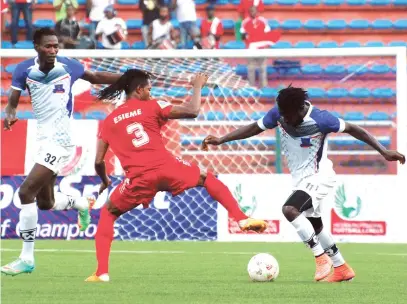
[{"x": 366, "y": 86}]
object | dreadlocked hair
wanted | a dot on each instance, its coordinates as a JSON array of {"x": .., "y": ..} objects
[
  {"x": 127, "y": 83},
  {"x": 291, "y": 98}
]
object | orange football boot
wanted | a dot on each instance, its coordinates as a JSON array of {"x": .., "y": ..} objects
[
  {"x": 324, "y": 265},
  {"x": 253, "y": 224},
  {"x": 340, "y": 274}
]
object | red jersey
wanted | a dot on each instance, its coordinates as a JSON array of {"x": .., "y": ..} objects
[
  {"x": 245, "y": 5},
  {"x": 212, "y": 27},
  {"x": 258, "y": 33},
  {"x": 133, "y": 132}
]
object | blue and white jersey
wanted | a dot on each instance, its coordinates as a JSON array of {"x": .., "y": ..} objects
[
  {"x": 51, "y": 96},
  {"x": 305, "y": 146}
]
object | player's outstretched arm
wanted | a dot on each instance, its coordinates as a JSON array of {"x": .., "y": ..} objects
[
  {"x": 13, "y": 99},
  {"x": 100, "y": 77},
  {"x": 241, "y": 133},
  {"x": 190, "y": 109},
  {"x": 363, "y": 135},
  {"x": 100, "y": 166}
]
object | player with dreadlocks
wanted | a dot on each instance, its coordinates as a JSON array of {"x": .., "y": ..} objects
[
  {"x": 132, "y": 131},
  {"x": 304, "y": 130}
]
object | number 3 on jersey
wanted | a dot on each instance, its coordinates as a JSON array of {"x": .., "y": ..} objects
[{"x": 141, "y": 137}]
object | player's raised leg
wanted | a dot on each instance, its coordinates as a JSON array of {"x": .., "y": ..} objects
[
  {"x": 298, "y": 202},
  {"x": 342, "y": 271}
]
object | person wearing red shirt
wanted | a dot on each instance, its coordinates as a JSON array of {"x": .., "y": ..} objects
[
  {"x": 133, "y": 132},
  {"x": 211, "y": 29},
  {"x": 245, "y": 5},
  {"x": 25, "y": 7}
]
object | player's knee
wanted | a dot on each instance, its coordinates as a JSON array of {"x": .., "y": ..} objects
[
  {"x": 25, "y": 195},
  {"x": 316, "y": 222},
  {"x": 298, "y": 202},
  {"x": 45, "y": 204},
  {"x": 290, "y": 212}
]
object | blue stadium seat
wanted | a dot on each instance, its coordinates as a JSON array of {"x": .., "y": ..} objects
[
  {"x": 374, "y": 44},
  {"x": 266, "y": 2},
  {"x": 360, "y": 24},
  {"x": 378, "y": 116},
  {"x": 222, "y": 2},
  {"x": 205, "y": 91},
  {"x": 356, "y": 2},
  {"x": 383, "y": 93},
  {"x": 43, "y": 2},
  {"x": 127, "y": 2},
  {"x": 342, "y": 141},
  {"x": 177, "y": 92},
  {"x": 6, "y": 45},
  {"x": 248, "y": 92},
  {"x": 348, "y": 44},
  {"x": 400, "y": 2},
  {"x": 199, "y": 2},
  {"x": 336, "y": 24},
  {"x": 311, "y": 69},
  {"x": 158, "y": 91},
  {"x": 380, "y": 69},
  {"x": 354, "y": 116},
  {"x": 271, "y": 70},
  {"x": 24, "y": 45},
  {"x": 25, "y": 115},
  {"x": 360, "y": 93},
  {"x": 97, "y": 115},
  {"x": 125, "y": 45},
  {"x": 44, "y": 23},
  {"x": 138, "y": 45},
  {"x": 238, "y": 116},
  {"x": 134, "y": 24},
  {"x": 282, "y": 45},
  {"x": 292, "y": 24},
  {"x": 328, "y": 44},
  {"x": 398, "y": 43},
  {"x": 267, "y": 141},
  {"x": 334, "y": 69},
  {"x": 228, "y": 24},
  {"x": 241, "y": 69},
  {"x": 382, "y": 24},
  {"x": 314, "y": 24},
  {"x": 273, "y": 24},
  {"x": 305, "y": 45},
  {"x": 287, "y": 2},
  {"x": 310, "y": 2},
  {"x": 359, "y": 69},
  {"x": 81, "y": 2},
  {"x": 400, "y": 24},
  {"x": 269, "y": 92},
  {"x": 214, "y": 115},
  {"x": 175, "y": 23},
  {"x": 21, "y": 23},
  {"x": 336, "y": 114},
  {"x": 257, "y": 115},
  {"x": 3, "y": 92},
  {"x": 223, "y": 92},
  {"x": 316, "y": 93},
  {"x": 379, "y": 2},
  {"x": 333, "y": 2},
  {"x": 10, "y": 68},
  {"x": 234, "y": 45},
  {"x": 337, "y": 93},
  {"x": 77, "y": 115}
]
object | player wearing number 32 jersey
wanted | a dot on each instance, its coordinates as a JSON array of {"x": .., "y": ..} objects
[{"x": 133, "y": 132}]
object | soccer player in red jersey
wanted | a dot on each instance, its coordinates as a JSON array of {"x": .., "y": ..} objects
[{"x": 133, "y": 132}]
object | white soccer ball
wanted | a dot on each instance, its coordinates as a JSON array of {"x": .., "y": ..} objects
[{"x": 263, "y": 267}]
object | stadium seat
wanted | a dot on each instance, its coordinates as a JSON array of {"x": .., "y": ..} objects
[
  {"x": 271, "y": 70},
  {"x": 310, "y": 2},
  {"x": 25, "y": 115},
  {"x": 333, "y": 2},
  {"x": 282, "y": 45},
  {"x": 383, "y": 93},
  {"x": 292, "y": 24},
  {"x": 158, "y": 91},
  {"x": 3, "y": 92},
  {"x": 358, "y": 69},
  {"x": 269, "y": 92},
  {"x": 382, "y": 24},
  {"x": 380, "y": 69},
  {"x": 398, "y": 43},
  {"x": 360, "y": 24},
  {"x": 356, "y": 2},
  {"x": 400, "y": 2},
  {"x": 266, "y": 2},
  {"x": 354, "y": 116},
  {"x": 81, "y": 2},
  {"x": 125, "y": 45},
  {"x": 134, "y": 23},
  {"x": 348, "y": 44},
  {"x": 127, "y": 2},
  {"x": 223, "y": 92},
  {"x": 328, "y": 44},
  {"x": 316, "y": 93},
  {"x": 222, "y": 2},
  {"x": 400, "y": 24},
  {"x": 21, "y": 23},
  {"x": 374, "y": 44},
  {"x": 378, "y": 116},
  {"x": 44, "y": 23},
  {"x": 205, "y": 91},
  {"x": 267, "y": 141},
  {"x": 175, "y": 23},
  {"x": 228, "y": 24},
  {"x": 43, "y": 1},
  {"x": 24, "y": 45},
  {"x": 176, "y": 92},
  {"x": 199, "y": 2},
  {"x": 314, "y": 24},
  {"x": 234, "y": 45},
  {"x": 238, "y": 116},
  {"x": 334, "y": 69},
  {"x": 248, "y": 92},
  {"x": 305, "y": 45},
  {"x": 311, "y": 69},
  {"x": 379, "y": 2},
  {"x": 214, "y": 115},
  {"x": 273, "y": 24},
  {"x": 10, "y": 68},
  {"x": 6, "y": 45},
  {"x": 257, "y": 115},
  {"x": 336, "y": 24},
  {"x": 336, "y": 114},
  {"x": 360, "y": 93},
  {"x": 337, "y": 93},
  {"x": 287, "y": 2},
  {"x": 138, "y": 45},
  {"x": 97, "y": 115},
  {"x": 241, "y": 69},
  {"x": 77, "y": 115}
]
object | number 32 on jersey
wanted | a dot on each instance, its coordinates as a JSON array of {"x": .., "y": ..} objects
[{"x": 141, "y": 137}]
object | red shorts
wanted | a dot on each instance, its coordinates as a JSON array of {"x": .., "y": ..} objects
[{"x": 175, "y": 176}]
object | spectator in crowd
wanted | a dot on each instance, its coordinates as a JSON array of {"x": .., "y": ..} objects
[
  {"x": 150, "y": 11},
  {"x": 4, "y": 11},
  {"x": 211, "y": 29},
  {"x": 61, "y": 8},
  {"x": 161, "y": 31},
  {"x": 243, "y": 9},
  {"x": 16, "y": 7},
  {"x": 95, "y": 9},
  {"x": 68, "y": 29},
  {"x": 186, "y": 16},
  {"x": 253, "y": 32},
  {"x": 112, "y": 29}
]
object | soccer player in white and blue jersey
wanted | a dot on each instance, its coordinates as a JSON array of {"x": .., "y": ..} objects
[
  {"x": 49, "y": 79},
  {"x": 304, "y": 130}
]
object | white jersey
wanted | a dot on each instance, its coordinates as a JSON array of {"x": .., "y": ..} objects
[
  {"x": 305, "y": 146},
  {"x": 51, "y": 96}
]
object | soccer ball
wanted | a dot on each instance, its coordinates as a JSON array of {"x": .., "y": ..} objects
[{"x": 263, "y": 267}]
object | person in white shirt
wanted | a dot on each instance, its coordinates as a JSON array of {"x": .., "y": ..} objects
[
  {"x": 161, "y": 29},
  {"x": 304, "y": 130},
  {"x": 96, "y": 13},
  {"x": 186, "y": 16},
  {"x": 112, "y": 29}
]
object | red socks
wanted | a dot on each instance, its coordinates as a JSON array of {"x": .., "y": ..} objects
[
  {"x": 104, "y": 238},
  {"x": 221, "y": 193}
]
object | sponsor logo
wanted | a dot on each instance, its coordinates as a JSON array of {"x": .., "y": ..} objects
[
  {"x": 59, "y": 88},
  {"x": 305, "y": 142}
]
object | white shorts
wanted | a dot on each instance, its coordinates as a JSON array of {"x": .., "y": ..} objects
[
  {"x": 318, "y": 187},
  {"x": 53, "y": 156}
]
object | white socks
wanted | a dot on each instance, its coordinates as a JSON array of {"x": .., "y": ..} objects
[
  {"x": 307, "y": 234},
  {"x": 28, "y": 227},
  {"x": 330, "y": 248},
  {"x": 66, "y": 202}
]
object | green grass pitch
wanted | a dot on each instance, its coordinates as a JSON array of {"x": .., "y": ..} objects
[{"x": 200, "y": 272}]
